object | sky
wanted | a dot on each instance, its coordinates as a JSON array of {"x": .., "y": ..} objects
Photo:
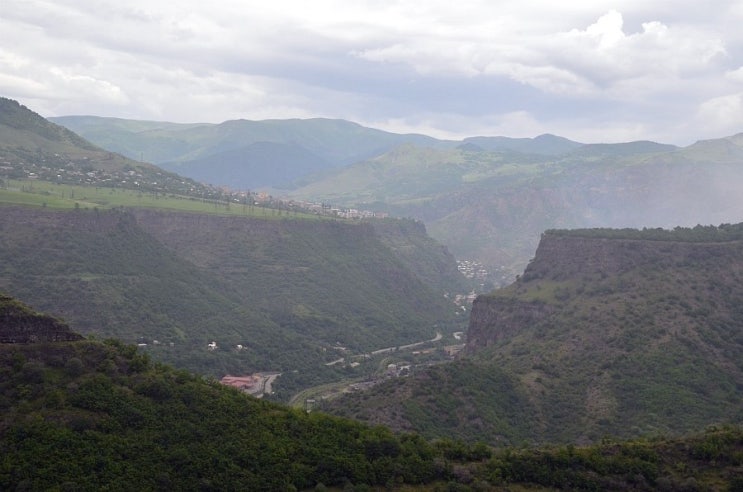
[{"x": 591, "y": 71}]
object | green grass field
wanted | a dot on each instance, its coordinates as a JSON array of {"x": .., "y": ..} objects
[{"x": 65, "y": 197}]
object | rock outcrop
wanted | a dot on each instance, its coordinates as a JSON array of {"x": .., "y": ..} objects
[
  {"x": 496, "y": 319},
  {"x": 568, "y": 265}
]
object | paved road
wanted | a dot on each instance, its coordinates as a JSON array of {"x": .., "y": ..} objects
[
  {"x": 409, "y": 346},
  {"x": 270, "y": 378},
  {"x": 266, "y": 385}
]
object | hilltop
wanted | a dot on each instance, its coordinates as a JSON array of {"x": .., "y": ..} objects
[
  {"x": 623, "y": 333},
  {"x": 26, "y": 137},
  {"x": 33, "y": 148}
]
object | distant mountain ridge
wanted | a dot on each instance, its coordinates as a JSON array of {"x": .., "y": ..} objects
[
  {"x": 243, "y": 154},
  {"x": 492, "y": 205},
  {"x": 486, "y": 198},
  {"x": 545, "y": 144}
]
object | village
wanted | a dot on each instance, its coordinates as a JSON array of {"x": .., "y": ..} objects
[{"x": 61, "y": 171}]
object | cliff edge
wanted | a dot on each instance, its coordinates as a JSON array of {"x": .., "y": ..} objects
[{"x": 621, "y": 332}]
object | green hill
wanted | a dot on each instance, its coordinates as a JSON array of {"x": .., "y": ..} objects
[
  {"x": 27, "y": 137},
  {"x": 88, "y": 415},
  {"x": 33, "y": 148},
  {"x": 20, "y": 324},
  {"x": 607, "y": 333}
]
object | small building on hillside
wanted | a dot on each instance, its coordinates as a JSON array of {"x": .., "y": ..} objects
[{"x": 244, "y": 383}]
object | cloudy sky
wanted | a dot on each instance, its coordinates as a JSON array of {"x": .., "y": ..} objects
[{"x": 590, "y": 70}]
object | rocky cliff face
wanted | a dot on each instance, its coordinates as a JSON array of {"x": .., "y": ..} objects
[
  {"x": 566, "y": 266},
  {"x": 19, "y": 324},
  {"x": 563, "y": 257},
  {"x": 607, "y": 333},
  {"x": 493, "y": 320},
  {"x": 617, "y": 332}
]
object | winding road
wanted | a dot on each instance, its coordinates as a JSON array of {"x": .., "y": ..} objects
[
  {"x": 438, "y": 337},
  {"x": 409, "y": 346}
]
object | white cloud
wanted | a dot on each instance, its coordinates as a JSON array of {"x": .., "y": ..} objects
[
  {"x": 586, "y": 61},
  {"x": 469, "y": 67},
  {"x": 721, "y": 116},
  {"x": 735, "y": 75},
  {"x": 75, "y": 85}
]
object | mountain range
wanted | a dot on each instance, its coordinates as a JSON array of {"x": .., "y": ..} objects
[
  {"x": 241, "y": 154},
  {"x": 608, "y": 332},
  {"x": 486, "y": 198}
]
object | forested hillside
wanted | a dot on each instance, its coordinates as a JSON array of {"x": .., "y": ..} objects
[
  {"x": 621, "y": 333},
  {"x": 288, "y": 291},
  {"x": 89, "y": 415}
]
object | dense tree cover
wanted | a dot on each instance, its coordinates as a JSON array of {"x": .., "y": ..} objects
[
  {"x": 708, "y": 461},
  {"x": 699, "y": 233},
  {"x": 90, "y": 415},
  {"x": 21, "y": 324},
  {"x": 463, "y": 399}
]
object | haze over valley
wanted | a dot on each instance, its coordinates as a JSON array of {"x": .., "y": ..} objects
[
  {"x": 366, "y": 246},
  {"x": 486, "y": 198}
]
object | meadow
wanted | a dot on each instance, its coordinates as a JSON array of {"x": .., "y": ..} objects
[{"x": 66, "y": 197}]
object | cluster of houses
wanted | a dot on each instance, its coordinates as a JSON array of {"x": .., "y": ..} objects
[
  {"x": 58, "y": 169},
  {"x": 472, "y": 269},
  {"x": 322, "y": 208}
]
